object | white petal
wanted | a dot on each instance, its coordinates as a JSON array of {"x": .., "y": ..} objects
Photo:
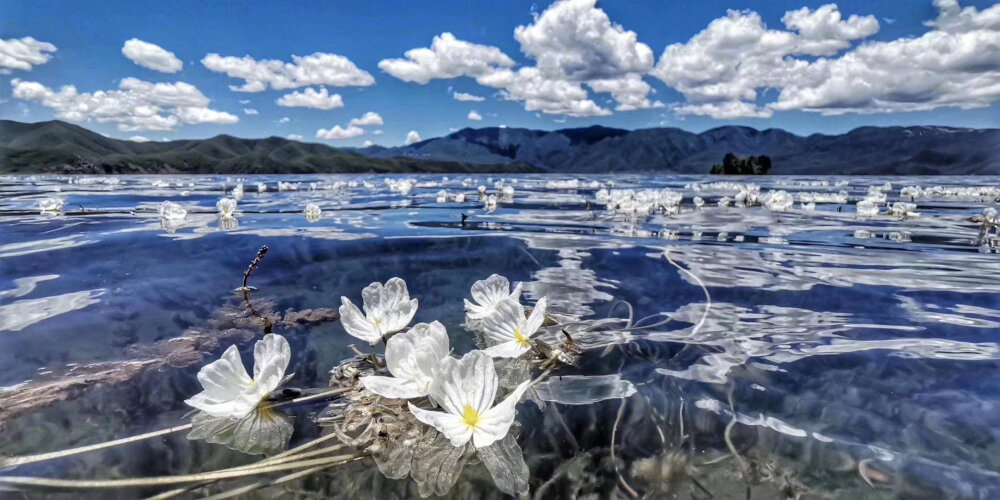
[
  {"x": 499, "y": 327},
  {"x": 416, "y": 354},
  {"x": 356, "y": 323},
  {"x": 400, "y": 315},
  {"x": 270, "y": 357},
  {"x": 396, "y": 292},
  {"x": 450, "y": 425},
  {"x": 495, "y": 422},
  {"x": 537, "y": 318},
  {"x": 470, "y": 381},
  {"x": 509, "y": 349},
  {"x": 235, "y": 408},
  {"x": 393, "y": 388},
  {"x": 225, "y": 378},
  {"x": 490, "y": 290},
  {"x": 372, "y": 298},
  {"x": 515, "y": 294}
]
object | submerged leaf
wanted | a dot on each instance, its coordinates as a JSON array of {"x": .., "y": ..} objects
[
  {"x": 584, "y": 390},
  {"x": 262, "y": 432},
  {"x": 437, "y": 464},
  {"x": 505, "y": 461},
  {"x": 394, "y": 459}
]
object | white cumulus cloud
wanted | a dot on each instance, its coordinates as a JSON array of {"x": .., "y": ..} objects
[
  {"x": 367, "y": 144},
  {"x": 813, "y": 66},
  {"x": 23, "y": 53},
  {"x": 310, "y": 98},
  {"x": 447, "y": 57},
  {"x": 139, "y": 138},
  {"x": 294, "y": 137},
  {"x": 152, "y": 56},
  {"x": 474, "y": 116},
  {"x": 250, "y": 111},
  {"x": 462, "y": 96},
  {"x": 135, "y": 105},
  {"x": 412, "y": 137},
  {"x": 576, "y": 40},
  {"x": 367, "y": 120},
  {"x": 339, "y": 133},
  {"x": 315, "y": 69}
]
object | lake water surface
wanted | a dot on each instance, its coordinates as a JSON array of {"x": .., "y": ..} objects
[{"x": 840, "y": 356}]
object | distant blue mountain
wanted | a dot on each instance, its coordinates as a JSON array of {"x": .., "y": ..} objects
[
  {"x": 866, "y": 150},
  {"x": 58, "y": 147}
]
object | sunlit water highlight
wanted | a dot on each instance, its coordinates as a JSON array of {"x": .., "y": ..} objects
[{"x": 854, "y": 350}]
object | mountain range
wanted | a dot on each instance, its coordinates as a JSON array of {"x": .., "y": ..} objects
[
  {"x": 868, "y": 150},
  {"x": 59, "y": 147},
  {"x": 63, "y": 148}
]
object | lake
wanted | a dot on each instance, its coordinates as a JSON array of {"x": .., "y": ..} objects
[{"x": 774, "y": 348}]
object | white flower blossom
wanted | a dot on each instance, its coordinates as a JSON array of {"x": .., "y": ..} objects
[
  {"x": 229, "y": 391},
  {"x": 261, "y": 187},
  {"x": 466, "y": 389},
  {"x": 488, "y": 293},
  {"x": 312, "y": 212},
  {"x": 226, "y": 207},
  {"x": 50, "y": 204},
  {"x": 510, "y": 331},
  {"x": 414, "y": 360},
  {"x": 388, "y": 309},
  {"x": 238, "y": 192}
]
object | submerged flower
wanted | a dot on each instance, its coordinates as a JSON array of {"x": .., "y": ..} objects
[
  {"x": 414, "y": 360},
  {"x": 488, "y": 293},
  {"x": 466, "y": 389},
  {"x": 388, "y": 309},
  {"x": 510, "y": 331},
  {"x": 226, "y": 207},
  {"x": 229, "y": 391}
]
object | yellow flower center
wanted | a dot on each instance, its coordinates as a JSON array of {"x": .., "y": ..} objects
[
  {"x": 377, "y": 322},
  {"x": 520, "y": 338},
  {"x": 470, "y": 416}
]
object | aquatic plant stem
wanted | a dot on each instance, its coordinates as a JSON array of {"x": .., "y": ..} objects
[
  {"x": 708, "y": 298},
  {"x": 43, "y": 482},
  {"x": 41, "y": 457},
  {"x": 614, "y": 433}
]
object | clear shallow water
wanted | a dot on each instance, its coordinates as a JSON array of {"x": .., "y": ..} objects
[{"x": 852, "y": 348}]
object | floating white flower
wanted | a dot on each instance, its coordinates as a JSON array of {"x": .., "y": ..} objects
[
  {"x": 388, "y": 309},
  {"x": 510, "y": 331},
  {"x": 491, "y": 203},
  {"x": 442, "y": 196},
  {"x": 229, "y": 391},
  {"x": 312, "y": 212},
  {"x": 698, "y": 202},
  {"x": 226, "y": 207},
  {"x": 261, "y": 187},
  {"x": 172, "y": 211},
  {"x": 50, "y": 205},
  {"x": 867, "y": 208},
  {"x": 488, "y": 293},
  {"x": 414, "y": 360},
  {"x": 460, "y": 198},
  {"x": 238, "y": 192},
  {"x": 466, "y": 389}
]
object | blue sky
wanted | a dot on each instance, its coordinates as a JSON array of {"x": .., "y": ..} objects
[{"x": 754, "y": 66}]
